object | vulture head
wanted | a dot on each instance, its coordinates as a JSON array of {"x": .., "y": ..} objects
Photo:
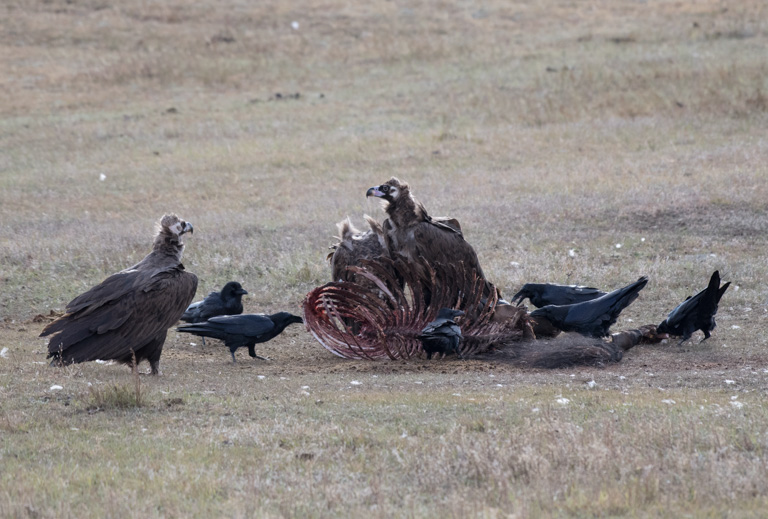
[
  {"x": 170, "y": 229},
  {"x": 390, "y": 191}
]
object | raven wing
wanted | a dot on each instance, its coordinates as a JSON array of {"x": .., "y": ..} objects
[{"x": 248, "y": 325}]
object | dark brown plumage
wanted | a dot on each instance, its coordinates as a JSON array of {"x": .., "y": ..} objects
[
  {"x": 355, "y": 246},
  {"x": 410, "y": 232},
  {"x": 128, "y": 314}
]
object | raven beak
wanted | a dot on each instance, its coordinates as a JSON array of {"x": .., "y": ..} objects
[
  {"x": 242, "y": 291},
  {"x": 374, "y": 191}
]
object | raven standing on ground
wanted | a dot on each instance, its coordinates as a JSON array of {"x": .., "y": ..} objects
[
  {"x": 443, "y": 334},
  {"x": 591, "y": 318},
  {"x": 543, "y": 294},
  {"x": 227, "y": 302},
  {"x": 696, "y": 313},
  {"x": 243, "y": 330}
]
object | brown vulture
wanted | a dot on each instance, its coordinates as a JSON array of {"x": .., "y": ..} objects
[
  {"x": 355, "y": 246},
  {"x": 126, "y": 317},
  {"x": 410, "y": 231}
]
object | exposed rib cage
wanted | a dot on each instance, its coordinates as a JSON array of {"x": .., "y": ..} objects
[{"x": 362, "y": 322}]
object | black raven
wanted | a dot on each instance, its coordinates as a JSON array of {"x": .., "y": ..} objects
[
  {"x": 696, "y": 313},
  {"x": 227, "y": 302},
  {"x": 543, "y": 294},
  {"x": 242, "y": 330},
  {"x": 591, "y": 318},
  {"x": 443, "y": 334}
]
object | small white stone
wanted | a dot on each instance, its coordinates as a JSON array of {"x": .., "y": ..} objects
[
  {"x": 562, "y": 401},
  {"x": 668, "y": 401},
  {"x": 4, "y": 353},
  {"x": 356, "y": 383},
  {"x": 571, "y": 253},
  {"x": 737, "y": 405},
  {"x": 591, "y": 384},
  {"x": 729, "y": 382},
  {"x": 55, "y": 387},
  {"x": 102, "y": 177},
  {"x": 642, "y": 239},
  {"x": 618, "y": 245},
  {"x": 260, "y": 377},
  {"x": 535, "y": 410},
  {"x": 735, "y": 327},
  {"x": 295, "y": 25}
]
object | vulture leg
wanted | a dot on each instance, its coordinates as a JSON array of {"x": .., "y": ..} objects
[
  {"x": 203, "y": 343},
  {"x": 232, "y": 351},
  {"x": 151, "y": 351}
]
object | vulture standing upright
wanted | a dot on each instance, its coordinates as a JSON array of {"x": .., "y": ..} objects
[
  {"x": 126, "y": 317},
  {"x": 410, "y": 232}
]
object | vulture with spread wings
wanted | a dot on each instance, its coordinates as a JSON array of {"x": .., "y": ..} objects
[{"x": 126, "y": 317}]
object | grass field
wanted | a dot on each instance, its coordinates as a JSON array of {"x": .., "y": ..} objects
[{"x": 632, "y": 133}]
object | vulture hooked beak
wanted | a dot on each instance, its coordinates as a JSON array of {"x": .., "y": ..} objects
[
  {"x": 187, "y": 228},
  {"x": 378, "y": 191}
]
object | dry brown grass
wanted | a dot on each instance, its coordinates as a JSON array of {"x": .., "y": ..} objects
[{"x": 542, "y": 126}]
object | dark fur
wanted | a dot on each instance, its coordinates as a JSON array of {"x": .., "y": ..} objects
[
  {"x": 591, "y": 318},
  {"x": 543, "y": 294},
  {"x": 128, "y": 314},
  {"x": 566, "y": 351},
  {"x": 242, "y": 330},
  {"x": 696, "y": 312}
]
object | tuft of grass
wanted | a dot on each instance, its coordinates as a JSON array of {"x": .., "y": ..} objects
[{"x": 116, "y": 396}]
